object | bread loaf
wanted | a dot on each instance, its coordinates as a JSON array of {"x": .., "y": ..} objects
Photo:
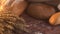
[
  {"x": 14, "y": 6},
  {"x": 40, "y": 11},
  {"x": 55, "y": 19}
]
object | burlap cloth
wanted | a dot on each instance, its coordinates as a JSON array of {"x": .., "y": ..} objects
[{"x": 40, "y": 26}]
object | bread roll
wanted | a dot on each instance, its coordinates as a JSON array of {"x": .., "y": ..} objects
[
  {"x": 40, "y": 11},
  {"x": 55, "y": 19}
]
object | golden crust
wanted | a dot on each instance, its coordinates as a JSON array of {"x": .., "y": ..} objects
[{"x": 53, "y": 18}]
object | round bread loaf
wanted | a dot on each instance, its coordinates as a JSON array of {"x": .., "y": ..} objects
[
  {"x": 14, "y": 6},
  {"x": 19, "y": 7},
  {"x": 10, "y": 22}
]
